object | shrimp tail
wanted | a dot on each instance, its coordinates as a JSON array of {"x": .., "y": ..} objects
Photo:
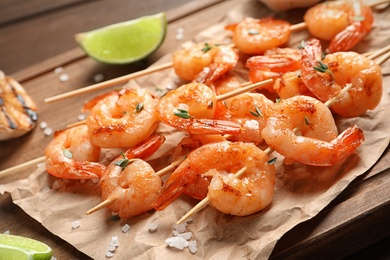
[
  {"x": 346, "y": 39},
  {"x": 176, "y": 184},
  {"x": 347, "y": 142},
  {"x": 76, "y": 170},
  {"x": 147, "y": 148}
]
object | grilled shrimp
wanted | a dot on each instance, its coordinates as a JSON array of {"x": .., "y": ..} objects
[
  {"x": 71, "y": 155},
  {"x": 18, "y": 112},
  {"x": 221, "y": 160},
  {"x": 302, "y": 129}
]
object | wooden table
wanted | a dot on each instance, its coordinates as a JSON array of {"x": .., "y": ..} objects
[{"x": 37, "y": 36}]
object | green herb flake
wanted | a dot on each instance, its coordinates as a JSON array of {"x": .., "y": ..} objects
[
  {"x": 68, "y": 154},
  {"x": 306, "y": 120},
  {"x": 278, "y": 100},
  {"x": 272, "y": 161},
  {"x": 182, "y": 113},
  {"x": 139, "y": 107},
  {"x": 206, "y": 47},
  {"x": 124, "y": 162},
  {"x": 358, "y": 18},
  {"x": 302, "y": 45},
  {"x": 257, "y": 112},
  {"x": 253, "y": 32},
  {"x": 322, "y": 67},
  {"x": 115, "y": 218}
]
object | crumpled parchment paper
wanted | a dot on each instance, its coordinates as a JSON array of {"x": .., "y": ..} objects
[{"x": 300, "y": 192}]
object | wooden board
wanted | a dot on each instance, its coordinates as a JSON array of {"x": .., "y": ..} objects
[{"x": 356, "y": 219}]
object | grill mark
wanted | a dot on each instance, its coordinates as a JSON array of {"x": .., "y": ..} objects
[{"x": 27, "y": 110}]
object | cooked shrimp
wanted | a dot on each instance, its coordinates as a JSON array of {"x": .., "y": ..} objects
[
  {"x": 71, "y": 155},
  {"x": 204, "y": 62},
  {"x": 326, "y": 78},
  {"x": 225, "y": 84},
  {"x": 273, "y": 64},
  {"x": 344, "y": 23},
  {"x": 291, "y": 84},
  {"x": 302, "y": 129},
  {"x": 191, "y": 108},
  {"x": 247, "y": 110},
  {"x": 131, "y": 184},
  {"x": 18, "y": 112},
  {"x": 255, "y": 36},
  {"x": 198, "y": 189},
  {"x": 251, "y": 193},
  {"x": 123, "y": 119}
]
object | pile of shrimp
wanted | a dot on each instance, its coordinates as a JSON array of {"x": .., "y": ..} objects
[{"x": 293, "y": 116}]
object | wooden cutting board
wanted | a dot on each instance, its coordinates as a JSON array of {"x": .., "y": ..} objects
[{"x": 355, "y": 219}]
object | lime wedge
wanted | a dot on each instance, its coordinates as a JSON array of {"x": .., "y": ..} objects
[
  {"x": 125, "y": 42},
  {"x": 17, "y": 247}
]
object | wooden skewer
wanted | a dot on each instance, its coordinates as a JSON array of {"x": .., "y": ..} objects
[
  {"x": 109, "y": 83},
  {"x": 375, "y": 54},
  {"x": 22, "y": 166}
]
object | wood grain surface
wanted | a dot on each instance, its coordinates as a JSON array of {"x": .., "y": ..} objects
[{"x": 37, "y": 37}]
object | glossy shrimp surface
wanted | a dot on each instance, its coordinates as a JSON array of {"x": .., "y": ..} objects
[
  {"x": 204, "y": 62},
  {"x": 249, "y": 111},
  {"x": 71, "y": 155},
  {"x": 224, "y": 158},
  {"x": 302, "y": 129},
  {"x": 255, "y": 36},
  {"x": 344, "y": 23},
  {"x": 191, "y": 108},
  {"x": 338, "y": 71},
  {"x": 132, "y": 183},
  {"x": 123, "y": 119},
  {"x": 18, "y": 112}
]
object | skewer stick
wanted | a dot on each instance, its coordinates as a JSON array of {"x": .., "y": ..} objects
[
  {"x": 22, "y": 166},
  {"x": 375, "y": 54},
  {"x": 108, "y": 83}
]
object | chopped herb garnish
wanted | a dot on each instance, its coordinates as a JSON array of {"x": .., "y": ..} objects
[
  {"x": 182, "y": 113},
  {"x": 206, "y": 47},
  {"x": 253, "y": 31},
  {"x": 68, "y": 154},
  {"x": 139, "y": 107},
  {"x": 302, "y": 45},
  {"x": 306, "y": 120},
  {"x": 358, "y": 18},
  {"x": 272, "y": 161},
  {"x": 278, "y": 100},
  {"x": 257, "y": 112},
  {"x": 323, "y": 68},
  {"x": 124, "y": 162}
]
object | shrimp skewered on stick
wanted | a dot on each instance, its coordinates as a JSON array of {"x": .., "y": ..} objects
[{"x": 129, "y": 184}]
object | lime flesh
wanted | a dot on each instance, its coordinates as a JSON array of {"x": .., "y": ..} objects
[
  {"x": 17, "y": 247},
  {"x": 125, "y": 42}
]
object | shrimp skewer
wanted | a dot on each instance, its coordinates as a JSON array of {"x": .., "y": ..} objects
[{"x": 128, "y": 183}]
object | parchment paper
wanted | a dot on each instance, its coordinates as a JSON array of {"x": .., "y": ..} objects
[{"x": 300, "y": 192}]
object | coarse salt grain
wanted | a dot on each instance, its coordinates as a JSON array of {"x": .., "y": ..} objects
[
  {"x": 53, "y": 258},
  {"x": 153, "y": 226},
  {"x": 48, "y": 131},
  {"x": 76, "y": 224},
  {"x": 6, "y": 232},
  {"x": 111, "y": 248},
  {"x": 177, "y": 242},
  {"x": 109, "y": 254},
  {"x": 59, "y": 70},
  {"x": 114, "y": 241},
  {"x": 64, "y": 77},
  {"x": 193, "y": 246},
  {"x": 185, "y": 235},
  {"x": 180, "y": 228},
  {"x": 125, "y": 228},
  {"x": 81, "y": 117},
  {"x": 42, "y": 124},
  {"x": 98, "y": 77}
]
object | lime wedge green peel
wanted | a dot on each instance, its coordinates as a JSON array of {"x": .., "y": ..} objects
[
  {"x": 23, "y": 248},
  {"x": 125, "y": 42}
]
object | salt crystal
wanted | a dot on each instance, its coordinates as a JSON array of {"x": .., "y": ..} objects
[
  {"x": 48, "y": 131},
  {"x": 42, "y": 124},
  {"x": 98, "y": 77},
  {"x": 81, "y": 117},
  {"x": 53, "y": 258},
  {"x": 180, "y": 30},
  {"x": 179, "y": 36},
  {"x": 58, "y": 70},
  {"x": 177, "y": 242},
  {"x": 45, "y": 189},
  {"x": 193, "y": 246},
  {"x": 111, "y": 248},
  {"x": 64, "y": 77},
  {"x": 76, "y": 224},
  {"x": 114, "y": 241},
  {"x": 125, "y": 228},
  {"x": 6, "y": 232},
  {"x": 153, "y": 226},
  {"x": 180, "y": 228},
  {"x": 109, "y": 254},
  {"x": 186, "y": 235}
]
